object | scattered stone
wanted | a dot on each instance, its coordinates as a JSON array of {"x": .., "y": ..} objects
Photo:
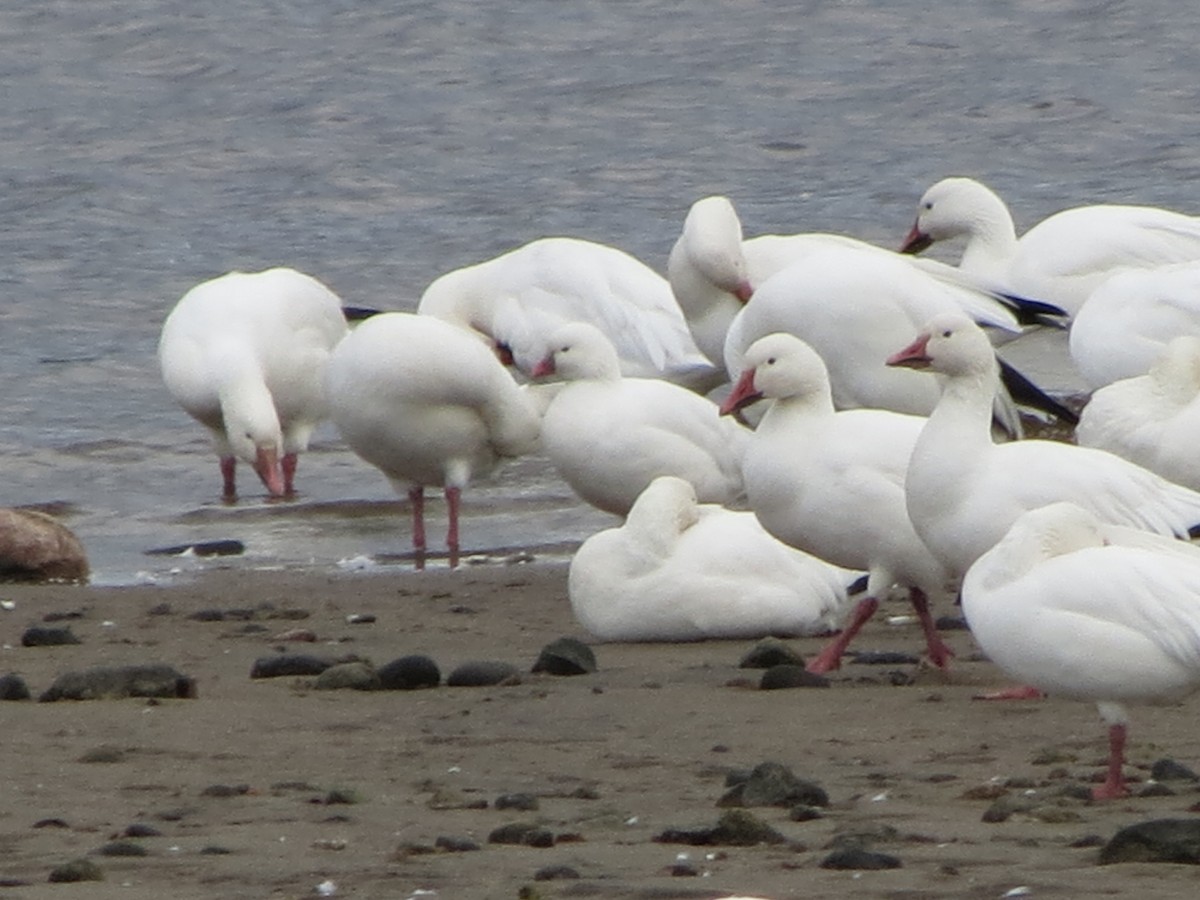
[
  {"x": 555, "y": 873},
  {"x": 736, "y": 827},
  {"x": 207, "y": 615},
  {"x": 1156, "y": 789},
  {"x": 773, "y": 784},
  {"x": 297, "y": 635},
  {"x": 791, "y": 676},
  {"x": 803, "y": 813},
  {"x": 360, "y": 619},
  {"x": 409, "y": 673},
  {"x": 215, "y": 850},
  {"x": 160, "y": 609},
  {"x": 770, "y": 652},
  {"x": 36, "y": 547},
  {"x": 141, "y": 830},
  {"x": 1158, "y": 840},
  {"x": 454, "y": 844},
  {"x": 858, "y": 859},
  {"x": 51, "y": 823},
  {"x": 523, "y": 802},
  {"x": 225, "y": 790},
  {"x": 63, "y": 616},
  {"x": 522, "y": 833},
  {"x": 566, "y": 656},
  {"x": 41, "y": 636},
  {"x": 1003, "y": 808},
  {"x": 103, "y": 754},
  {"x": 13, "y": 687},
  {"x": 883, "y": 658},
  {"x": 683, "y": 870},
  {"x": 863, "y": 837},
  {"x": 114, "y": 682},
  {"x": 342, "y": 796},
  {"x": 1170, "y": 770},
  {"x": 289, "y": 665},
  {"x": 409, "y": 849},
  {"x": 951, "y": 623},
  {"x": 356, "y": 676},
  {"x": 77, "y": 870},
  {"x": 122, "y": 848},
  {"x": 484, "y": 673},
  {"x": 1088, "y": 840},
  {"x": 228, "y": 547}
]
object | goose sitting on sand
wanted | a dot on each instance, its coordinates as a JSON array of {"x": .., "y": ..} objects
[
  {"x": 245, "y": 354},
  {"x": 678, "y": 570}
]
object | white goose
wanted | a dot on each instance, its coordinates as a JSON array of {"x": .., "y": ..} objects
[
  {"x": 964, "y": 491},
  {"x": 517, "y": 299},
  {"x": 1153, "y": 419},
  {"x": 1128, "y": 320},
  {"x": 832, "y": 484},
  {"x": 244, "y": 354},
  {"x": 1091, "y": 611},
  {"x": 427, "y": 404},
  {"x": 610, "y": 436},
  {"x": 1064, "y": 257},
  {"x": 677, "y": 570}
]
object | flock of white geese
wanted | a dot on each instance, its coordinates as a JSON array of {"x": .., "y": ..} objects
[{"x": 778, "y": 417}]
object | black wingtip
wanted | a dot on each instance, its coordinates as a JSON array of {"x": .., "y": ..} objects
[
  {"x": 1034, "y": 312},
  {"x": 358, "y": 313},
  {"x": 1025, "y": 393}
]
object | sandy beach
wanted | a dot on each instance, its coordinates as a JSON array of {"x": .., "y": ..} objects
[{"x": 267, "y": 787}]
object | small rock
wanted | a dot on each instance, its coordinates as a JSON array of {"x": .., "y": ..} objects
[
  {"x": 454, "y": 844},
  {"x": 297, "y": 635},
  {"x": 555, "y": 873},
  {"x": 1158, "y": 840},
  {"x": 790, "y": 676},
  {"x": 774, "y": 784},
  {"x": 13, "y": 687},
  {"x": 770, "y": 652},
  {"x": 114, "y": 682},
  {"x": 225, "y": 790},
  {"x": 1156, "y": 789},
  {"x": 409, "y": 673},
  {"x": 566, "y": 656},
  {"x": 215, "y": 850},
  {"x": 122, "y": 848},
  {"x": 360, "y": 619},
  {"x": 483, "y": 674},
  {"x": 347, "y": 796},
  {"x": 523, "y": 802},
  {"x": 227, "y": 547},
  {"x": 141, "y": 830},
  {"x": 857, "y": 858},
  {"x": 736, "y": 828},
  {"x": 883, "y": 658},
  {"x": 289, "y": 665},
  {"x": 357, "y": 676},
  {"x": 36, "y": 547},
  {"x": 802, "y": 813},
  {"x": 1170, "y": 770},
  {"x": 521, "y": 833},
  {"x": 77, "y": 870},
  {"x": 951, "y": 623},
  {"x": 41, "y": 636},
  {"x": 103, "y": 754},
  {"x": 1003, "y": 808}
]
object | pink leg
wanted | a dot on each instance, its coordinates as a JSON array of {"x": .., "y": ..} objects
[
  {"x": 939, "y": 651},
  {"x": 228, "y": 465},
  {"x": 1114, "y": 784},
  {"x": 416, "y": 496},
  {"x": 289, "y": 474},
  {"x": 453, "y": 495},
  {"x": 831, "y": 657},
  {"x": 1021, "y": 692}
]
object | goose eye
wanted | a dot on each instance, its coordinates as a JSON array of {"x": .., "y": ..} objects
[
  {"x": 928, "y": 204},
  {"x": 947, "y": 333},
  {"x": 771, "y": 361}
]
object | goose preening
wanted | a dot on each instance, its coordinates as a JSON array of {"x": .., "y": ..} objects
[
  {"x": 1153, "y": 419},
  {"x": 832, "y": 484},
  {"x": 427, "y": 404},
  {"x": 1128, "y": 320},
  {"x": 517, "y": 299},
  {"x": 1063, "y": 258},
  {"x": 679, "y": 570},
  {"x": 609, "y": 436},
  {"x": 1091, "y": 611},
  {"x": 964, "y": 491},
  {"x": 244, "y": 354}
]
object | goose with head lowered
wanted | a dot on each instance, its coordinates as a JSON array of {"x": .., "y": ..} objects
[
  {"x": 1091, "y": 611},
  {"x": 832, "y": 484},
  {"x": 245, "y": 354},
  {"x": 964, "y": 491}
]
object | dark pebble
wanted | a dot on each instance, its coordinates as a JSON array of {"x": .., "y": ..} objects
[
  {"x": 40, "y": 636},
  {"x": 736, "y": 828},
  {"x": 802, "y": 813},
  {"x": 72, "y": 615},
  {"x": 1088, "y": 840},
  {"x": 215, "y": 850},
  {"x": 141, "y": 830},
  {"x": 13, "y": 687},
  {"x": 555, "y": 873},
  {"x": 288, "y": 665},
  {"x": 122, "y": 848},
  {"x": 160, "y": 609},
  {"x": 225, "y": 790},
  {"x": 342, "y": 796},
  {"x": 1156, "y": 790},
  {"x": 409, "y": 673},
  {"x": 453, "y": 844},
  {"x": 356, "y": 676},
  {"x": 360, "y": 619},
  {"x": 103, "y": 754},
  {"x": 566, "y": 656},
  {"x": 683, "y": 870},
  {"x": 77, "y": 870},
  {"x": 524, "y": 834},
  {"x": 202, "y": 548},
  {"x": 782, "y": 677},
  {"x": 1170, "y": 770},
  {"x": 51, "y": 823},
  {"x": 773, "y": 784},
  {"x": 1158, "y": 840},
  {"x": 207, "y": 615},
  {"x": 859, "y": 859},
  {"x": 770, "y": 652},
  {"x": 113, "y": 682},
  {"x": 484, "y": 673},
  {"x": 883, "y": 658},
  {"x": 951, "y": 623},
  {"x": 523, "y": 802}
]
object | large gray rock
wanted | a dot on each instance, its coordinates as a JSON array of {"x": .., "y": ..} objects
[
  {"x": 114, "y": 682},
  {"x": 1159, "y": 840},
  {"x": 37, "y": 547}
]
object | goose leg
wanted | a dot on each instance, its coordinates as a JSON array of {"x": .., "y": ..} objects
[
  {"x": 416, "y": 497},
  {"x": 939, "y": 651},
  {"x": 1114, "y": 784},
  {"x": 288, "y": 464},
  {"x": 228, "y": 467},
  {"x": 831, "y": 657},
  {"x": 453, "y": 495}
]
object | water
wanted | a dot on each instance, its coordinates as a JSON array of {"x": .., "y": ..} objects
[{"x": 149, "y": 145}]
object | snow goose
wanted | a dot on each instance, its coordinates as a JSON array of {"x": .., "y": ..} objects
[
  {"x": 609, "y": 436},
  {"x": 678, "y": 570},
  {"x": 1153, "y": 419},
  {"x": 1064, "y": 257},
  {"x": 964, "y": 491},
  {"x": 1090, "y": 611},
  {"x": 244, "y": 354},
  {"x": 427, "y": 404},
  {"x": 1127, "y": 320},
  {"x": 517, "y": 299},
  {"x": 832, "y": 483}
]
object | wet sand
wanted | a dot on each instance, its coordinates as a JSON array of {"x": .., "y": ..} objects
[{"x": 614, "y": 758}]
